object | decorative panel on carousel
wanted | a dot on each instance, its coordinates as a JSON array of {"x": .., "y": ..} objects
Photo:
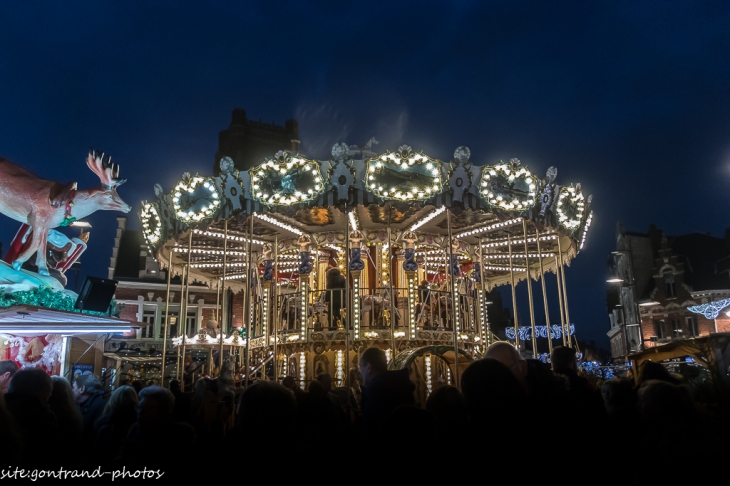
[
  {"x": 571, "y": 207},
  {"x": 404, "y": 175},
  {"x": 286, "y": 179},
  {"x": 151, "y": 223},
  {"x": 509, "y": 186},
  {"x": 195, "y": 198}
]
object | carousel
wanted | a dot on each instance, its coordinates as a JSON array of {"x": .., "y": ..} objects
[{"x": 396, "y": 250}]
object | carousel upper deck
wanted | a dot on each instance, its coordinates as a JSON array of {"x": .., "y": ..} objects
[{"x": 395, "y": 249}]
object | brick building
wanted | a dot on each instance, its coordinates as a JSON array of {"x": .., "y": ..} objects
[
  {"x": 656, "y": 283},
  {"x": 142, "y": 289}
]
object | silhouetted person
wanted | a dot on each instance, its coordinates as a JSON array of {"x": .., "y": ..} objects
[
  {"x": 620, "y": 402},
  {"x": 11, "y": 443},
  {"x": 89, "y": 398},
  {"x": 183, "y": 403},
  {"x": 70, "y": 422},
  {"x": 7, "y": 369},
  {"x": 153, "y": 438},
  {"x": 413, "y": 422},
  {"x": 291, "y": 384},
  {"x": 448, "y": 406},
  {"x": 27, "y": 402},
  {"x": 267, "y": 411},
  {"x": 494, "y": 397},
  {"x": 424, "y": 292},
  {"x": 137, "y": 385},
  {"x": 118, "y": 416},
  {"x": 190, "y": 369},
  {"x": 333, "y": 296},
  {"x": 649, "y": 370},
  {"x": 319, "y": 417},
  {"x": 326, "y": 380},
  {"x": 668, "y": 417},
  {"x": 584, "y": 402},
  {"x": 383, "y": 390}
]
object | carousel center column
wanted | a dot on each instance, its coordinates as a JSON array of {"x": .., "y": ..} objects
[{"x": 410, "y": 266}]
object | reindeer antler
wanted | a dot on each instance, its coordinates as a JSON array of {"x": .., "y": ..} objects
[{"x": 107, "y": 171}]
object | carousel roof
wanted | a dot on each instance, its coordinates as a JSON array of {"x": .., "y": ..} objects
[{"x": 503, "y": 208}]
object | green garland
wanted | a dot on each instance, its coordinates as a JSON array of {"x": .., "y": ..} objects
[{"x": 50, "y": 299}]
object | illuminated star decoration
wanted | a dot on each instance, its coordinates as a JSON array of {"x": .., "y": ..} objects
[{"x": 711, "y": 309}]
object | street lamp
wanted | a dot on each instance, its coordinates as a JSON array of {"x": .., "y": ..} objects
[{"x": 648, "y": 303}]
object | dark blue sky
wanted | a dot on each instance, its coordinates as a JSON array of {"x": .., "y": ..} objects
[{"x": 631, "y": 99}]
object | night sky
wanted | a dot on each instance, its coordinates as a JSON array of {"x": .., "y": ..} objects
[{"x": 628, "y": 98}]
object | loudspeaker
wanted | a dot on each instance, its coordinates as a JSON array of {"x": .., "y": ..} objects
[{"x": 96, "y": 294}]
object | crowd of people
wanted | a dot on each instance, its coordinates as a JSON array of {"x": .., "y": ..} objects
[{"x": 506, "y": 407}]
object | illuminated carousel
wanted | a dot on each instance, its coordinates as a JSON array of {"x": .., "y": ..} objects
[{"x": 395, "y": 250}]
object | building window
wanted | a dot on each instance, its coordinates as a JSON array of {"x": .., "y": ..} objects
[
  {"x": 191, "y": 327},
  {"x": 148, "y": 316},
  {"x": 676, "y": 330},
  {"x": 692, "y": 326},
  {"x": 172, "y": 326},
  {"x": 669, "y": 289},
  {"x": 659, "y": 329}
]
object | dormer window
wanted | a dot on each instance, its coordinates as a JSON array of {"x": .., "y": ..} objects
[{"x": 669, "y": 289}]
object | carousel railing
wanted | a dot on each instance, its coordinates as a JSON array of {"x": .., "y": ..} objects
[{"x": 433, "y": 311}]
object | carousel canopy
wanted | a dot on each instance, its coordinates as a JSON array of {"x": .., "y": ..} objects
[{"x": 501, "y": 215}]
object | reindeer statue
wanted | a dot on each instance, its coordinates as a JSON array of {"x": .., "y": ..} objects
[{"x": 42, "y": 204}]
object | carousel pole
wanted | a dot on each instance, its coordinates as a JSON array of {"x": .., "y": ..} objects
[
  {"x": 529, "y": 291},
  {"x": 187, "y": 293},
  {"x": 390, "y": 284},
  {"x": 544, "y": 294},
  {"x": 273, "y": 297},
  {"x": 514, "y": 295},
  {"x": 560, "y": 298},
  {"x": 220, "y": 321},
  {"x": 247, "y": 298},
  {"x": 565, "y": 297},
  {"x": 178, "y": 374},
  {"x": 483, "y": 302},
  {"x": 348, "y": 305},
  {"x": 454, "y": 298},
  {"x": 167, "y": 320},
  {"x": 217, "y": 300}
]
